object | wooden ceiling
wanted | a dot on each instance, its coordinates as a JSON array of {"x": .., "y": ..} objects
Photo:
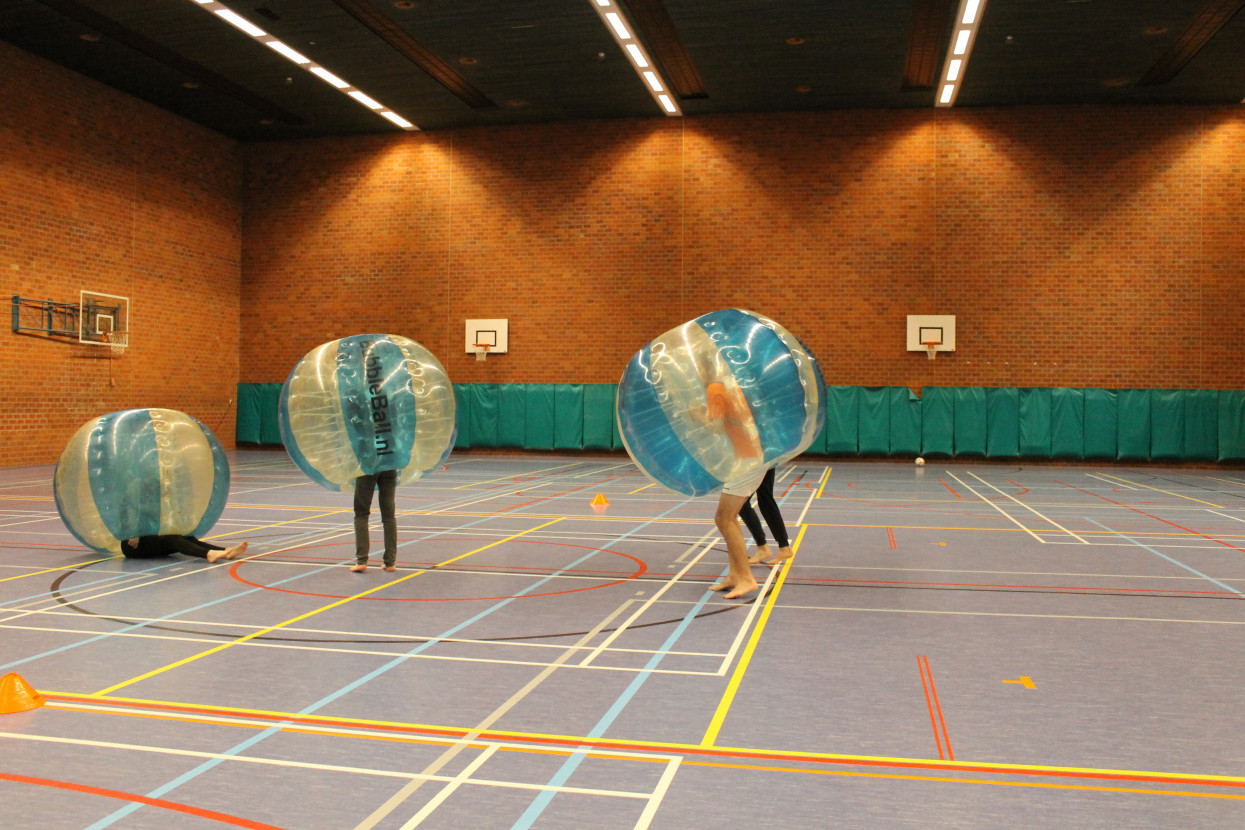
[{"x": 447, "y": 64}]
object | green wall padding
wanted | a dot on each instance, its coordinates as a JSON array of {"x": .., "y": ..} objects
[
  {"x": 1002, "y": 422},
  {"x": 905, "y": 412},
  {"x": 1231, "y": 426},
  {"x": 842, "y": 419},
  {"x": 1133, "y": 424},
  {"x": 568, "y": 416},
  {"x": 1035, "y": 422},
  {"x": 484, "y": 409},
  {"x": 1201, "y": 424},
  {"x": 1101, "y": 423},
  {"x": 1166, "y": 424},
  {"x": 539, "y": 416},
  {"x": 937, "y": 421},
  {"x": 1067, "y": 423},
  {"x": 512, "y": 415},
  {"x": 970, "y": 420},
  {"x": 875, "y": 420},
  {"x": 599, "y": 416},
  {"x": 999, "y": 422},
  {"x": 246, "y": 423},
  {"x": 270, "y": 409},
  {"x": 462, "y": 417}
]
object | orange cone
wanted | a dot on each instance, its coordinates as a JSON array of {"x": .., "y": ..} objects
[
  {"x": 16, "y": 695},
  {"x": 600, "y": 501}
]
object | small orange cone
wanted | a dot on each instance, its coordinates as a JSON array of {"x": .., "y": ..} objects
[
  {"x": 600, "y": 500},
  {"x": 16, "y": 695}
]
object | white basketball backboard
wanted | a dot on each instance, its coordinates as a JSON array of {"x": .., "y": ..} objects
[
  {"x": 493, "y": 332},
  {"x": 924, "y": 329}
]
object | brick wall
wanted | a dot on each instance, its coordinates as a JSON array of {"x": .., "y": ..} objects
[
  {"x": 101, "y": 192},
  {"x": 1076, "y": 247}
]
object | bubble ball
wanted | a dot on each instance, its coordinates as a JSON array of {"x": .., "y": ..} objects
[
  {"x": 725, "y": 395},
  {"x": 140, "y": 472},
  {"x": 366, "y": 404}
]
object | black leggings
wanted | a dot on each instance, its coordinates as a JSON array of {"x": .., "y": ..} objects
[
  {"x": 149, "y": 546},
  {"x": 769, "y": 509}
]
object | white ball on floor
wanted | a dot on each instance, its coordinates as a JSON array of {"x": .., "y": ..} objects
[{"x": 920, "y": 462}]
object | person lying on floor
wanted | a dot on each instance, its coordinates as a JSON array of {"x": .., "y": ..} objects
[{"x": 146, "y": 547}]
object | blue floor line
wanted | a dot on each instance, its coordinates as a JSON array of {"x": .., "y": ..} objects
[
  {"x": 1168, "y": 558},
  {"x": 208, "y": 765}
]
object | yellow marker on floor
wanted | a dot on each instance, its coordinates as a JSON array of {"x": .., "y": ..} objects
[{"x": 1024, "y": 681}]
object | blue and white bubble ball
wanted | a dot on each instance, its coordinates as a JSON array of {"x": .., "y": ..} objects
[
  {"x": 664, "y": 396},
  {"x": 140, "y": 472},
  {"x": 366, "y": 404}
]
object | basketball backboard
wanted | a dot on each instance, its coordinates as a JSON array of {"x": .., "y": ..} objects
[
  {"x": 101, "y": 314},
  {"x": 493, "y": 333},
  {"x": 924, "y": 329}
]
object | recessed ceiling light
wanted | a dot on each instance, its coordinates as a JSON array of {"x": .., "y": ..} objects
[
  {"x": 795, "y": 41},
  {"x": 802, "y": 88},
  {"x": 968, "y": 19},
  {"x": 615, "y": 20},
  {"x": 403, "y": 4},
  {"x": 190, "y": 84},
  {"x": 241, "y": 23},
  {"x": 1156, "y": 30},
  {"x": 89, "y": 37},
  {"x": 468, "y": 61}
]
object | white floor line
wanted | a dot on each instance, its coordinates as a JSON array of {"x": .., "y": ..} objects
[
  {"x": 1030, "y": 509},
  {"x": 1003, "y": 512},
  {"x": 746, "y": 626},
  {"x": 659, "y": 793}
]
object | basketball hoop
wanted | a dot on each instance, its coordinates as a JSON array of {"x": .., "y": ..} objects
[
  {"x": 482, "y": 351},
  {"x": 932, "y": 346},
  {"x": 118, "y": 341}
]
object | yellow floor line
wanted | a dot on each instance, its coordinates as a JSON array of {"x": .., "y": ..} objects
[{"x": 307, "y": 615}]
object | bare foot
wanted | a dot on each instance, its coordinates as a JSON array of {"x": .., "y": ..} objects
[
  {"x": 214, "y": 556},
  {"x": 360, "y": 568},
  {"x": 740, "y": 589},
  {"x": 783, "y": 553},
  {"x": 390, "y": 569},
  {"x": 720, "y": 586},
  {"x": 759, "y": 555},
  {"x": 237, "y": 550}
]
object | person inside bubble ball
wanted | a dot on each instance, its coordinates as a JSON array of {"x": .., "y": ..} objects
[
  {"x": 773, "y": 517},
  {"x": 147, "y": 547},
  {"x": 725, "y": 403},
  {"x": 364, "y": 486}
]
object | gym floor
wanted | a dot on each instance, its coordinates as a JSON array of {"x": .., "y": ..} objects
[{"x": 954, "y": 645}]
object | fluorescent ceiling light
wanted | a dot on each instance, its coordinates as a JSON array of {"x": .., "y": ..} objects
[
  {"x": 241, "y": 22},
  {"x": 324, "y": 74},
  {"x": 618, "y": 26},
  {"x": 364, "y": 100},
  {"x": 278, "y": 46},
  {"x": 238, "y": 21},
  {"x": 637, "y": 56},
  {"x": 955, "y": 66},
  {"x": 615, "y": 20}
]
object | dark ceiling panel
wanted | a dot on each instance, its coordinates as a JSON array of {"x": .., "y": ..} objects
[{"x": 447, "y": 64}]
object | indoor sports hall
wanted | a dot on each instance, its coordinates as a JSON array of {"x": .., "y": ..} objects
[{"x": 457, "y": 334}]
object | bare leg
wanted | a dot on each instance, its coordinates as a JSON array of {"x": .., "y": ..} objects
[{"x": 739, "y": 579}]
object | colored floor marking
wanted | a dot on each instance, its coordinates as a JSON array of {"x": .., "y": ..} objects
[
  {"x": 825, "y": 478},
  {"x": 1217, "y": 541},
  {"x": 65, "y": 568},
  {"x": 1024, "y": 680},
  {"x": 307, "y": 615},
  {"x": 141, "y": 799},
  {"x": 642, "y": 489},
  {"x": 1027, "y": 507},
  {"x": 941, "y": 738},
  {"x": 1164, "y": 492},
  {"x": 728, "y": 697}
]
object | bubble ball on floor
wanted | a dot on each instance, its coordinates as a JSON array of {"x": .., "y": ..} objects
[
  {"x": 140, "y": 472},
  {"x": 727, "y": 394},
  {"x": 366, "y": 404}
]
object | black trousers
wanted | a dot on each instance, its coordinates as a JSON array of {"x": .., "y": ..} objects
[
  {"x": 387, "y": 483},
  {"x": 151, "y": 546},
  {"x": 769, "y": 509}
]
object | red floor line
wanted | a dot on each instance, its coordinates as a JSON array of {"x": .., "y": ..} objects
[
  {"x": 927, "y": 683},
  {"x": 946, "y": 737},
  {"x": 139, "y": 799},
  {"x": 890, "y": 534},
  {"x": 949, "y": 487},
  {"x": 1152, "y": 516}
]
